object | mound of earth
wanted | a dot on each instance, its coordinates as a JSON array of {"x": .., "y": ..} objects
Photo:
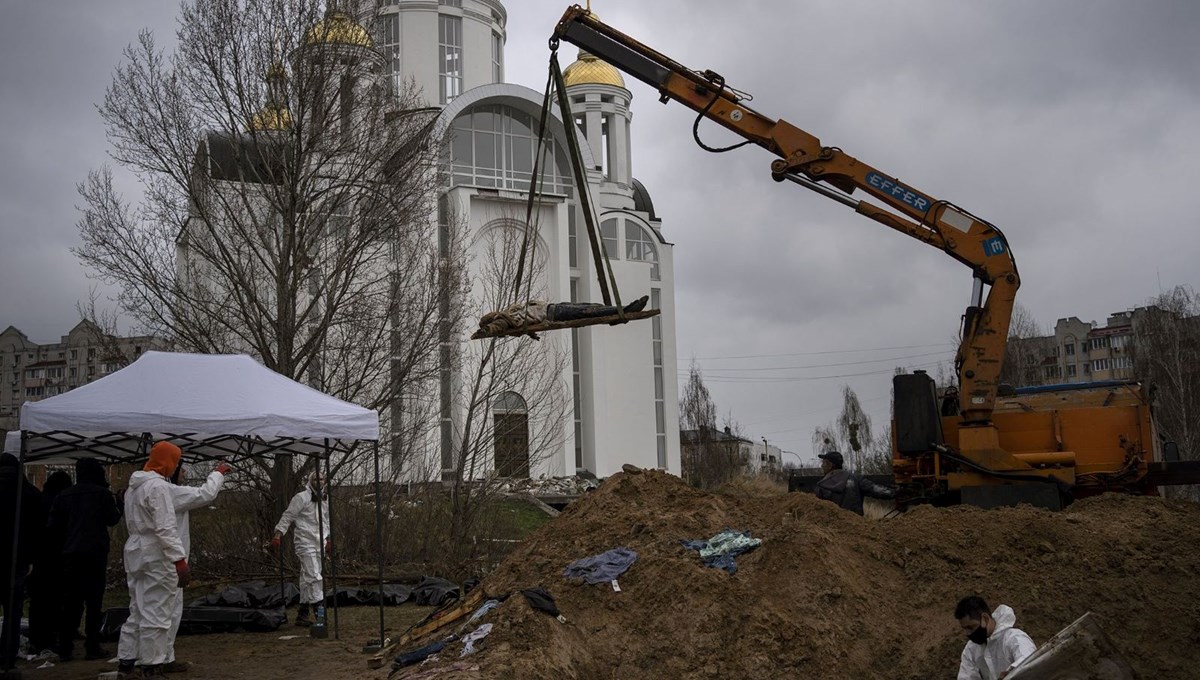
[{"x": 830, "y": 594}]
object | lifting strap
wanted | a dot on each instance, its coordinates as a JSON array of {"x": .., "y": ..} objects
[
  {"x": 536, "y": 182},
  {"x": 609, "y": 292}
]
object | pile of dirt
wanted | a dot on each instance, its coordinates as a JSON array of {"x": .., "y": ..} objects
[{"x": 830, "y": 594}]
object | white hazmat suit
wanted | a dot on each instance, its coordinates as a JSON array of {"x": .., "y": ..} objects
[
  {"x": 151, "y": 552},
  {"x": 312, "y": 533},
  {"x": 184, "y": 499},
  {"x": 1005, "y": 647}
]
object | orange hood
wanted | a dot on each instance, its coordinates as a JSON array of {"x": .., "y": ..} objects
[{"x": 164, "y": 458}]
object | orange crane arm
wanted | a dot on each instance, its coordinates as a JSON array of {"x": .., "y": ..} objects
[{"x": 835, "y": 174}]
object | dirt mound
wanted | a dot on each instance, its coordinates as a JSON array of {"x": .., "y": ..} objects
[{"x": 829, "y": 594}]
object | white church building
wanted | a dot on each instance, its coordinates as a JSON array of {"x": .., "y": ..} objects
[
  {"x": 624, "y": 378},
  {"x": 614, "y": 388}
]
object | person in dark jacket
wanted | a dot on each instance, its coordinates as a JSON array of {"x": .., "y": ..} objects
[
  {"x": 46, "y": 579},
  {"x": 83, "y": 514},
  {"x": 847, "y": 488},
  {"x": 32, "y": 522}
]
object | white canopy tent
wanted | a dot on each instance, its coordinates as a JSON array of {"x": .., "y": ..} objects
[{"x": 211, "y": 406}]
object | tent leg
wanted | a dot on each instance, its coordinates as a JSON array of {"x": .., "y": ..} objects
[
  {"x": 379, "y": 542},
  {"x": 332, "y": 544},
  {"x": 322, "y": 534},
  {"x": 282, "y": 588},
  {"x": 12, "y": 619}
]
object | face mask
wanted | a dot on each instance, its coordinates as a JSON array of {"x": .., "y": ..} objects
[{"x": 980, "y": 635}]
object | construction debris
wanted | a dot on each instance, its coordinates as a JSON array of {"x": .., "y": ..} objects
[{"x": 550, "y": 486}]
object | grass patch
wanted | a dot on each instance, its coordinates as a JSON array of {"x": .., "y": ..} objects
[{"x": 516, "y": 519}]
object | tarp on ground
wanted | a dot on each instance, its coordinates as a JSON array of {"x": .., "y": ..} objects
[
  {"x": 196, "y": 396},
  {"x": 264, "y": 595},
  {"x": 200, "y": 620},
  {"x": 435, "y": 592}
]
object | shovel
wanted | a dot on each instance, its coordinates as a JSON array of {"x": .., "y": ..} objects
[{"x": 1081, "y": 651}]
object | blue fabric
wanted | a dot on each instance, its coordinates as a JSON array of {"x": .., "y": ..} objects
[
  {"x": 418, "y": 655},
  {"x": 721, "y": 551},
  {"x": 601, "y": 568}
]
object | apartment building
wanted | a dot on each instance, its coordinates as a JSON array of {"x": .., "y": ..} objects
[{"x": 31, "y": 371}]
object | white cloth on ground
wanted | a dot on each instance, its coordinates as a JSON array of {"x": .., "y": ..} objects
[{"x": 474, "y": 636}]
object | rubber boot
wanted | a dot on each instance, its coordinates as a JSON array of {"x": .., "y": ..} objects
[
  {"x": 302, "y": 619},
  {"x": 152, "y": 672},
  {"x": 126, "y": 670}
]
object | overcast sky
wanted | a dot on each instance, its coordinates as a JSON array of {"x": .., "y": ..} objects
[{"x": 1074, "y": 126}]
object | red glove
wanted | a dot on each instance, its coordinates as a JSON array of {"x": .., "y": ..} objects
[
  {"x": 276, "y": 540},
  {"x": 224, "y": 468},
  {"x": 184, "y": 572},
  {"x": 329, "y": 546}
]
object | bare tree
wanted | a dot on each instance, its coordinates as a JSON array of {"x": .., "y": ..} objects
[
  {"x": 709, "y": 457},
  {"x": 512, "y": 394},
  {"x": 1166, "y": 351},
  {"x": 1027, "y": 350},
  {"x": 852, "y": 435},
  {"x": 287, "y": 201}
]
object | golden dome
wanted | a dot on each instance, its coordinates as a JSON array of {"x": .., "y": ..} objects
[
  {"x": 589, "y": 70},
  {"x": 272, "y": 118},
  {"x": 338, "y": 28}
]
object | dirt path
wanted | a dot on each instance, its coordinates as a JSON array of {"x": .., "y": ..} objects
[{"x": 263, "y": 656}]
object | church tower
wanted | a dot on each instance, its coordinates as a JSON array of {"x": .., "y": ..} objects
[{"x": 600, "y": 104}]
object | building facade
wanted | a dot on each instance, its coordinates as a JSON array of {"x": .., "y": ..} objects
[
  {"x": 30, "y": 371},
  {"x": 619, "y": 383},
  {"x": 1078, "y": 352},
  {"x": 623, "y": 380}
]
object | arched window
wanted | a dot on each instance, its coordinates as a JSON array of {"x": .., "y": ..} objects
[
  {"x": 510, "y": 420},
  {"x": 494, "y": 146},
  {"x": 509, "y": 402},
  {"x": 639, "y": 247},
  {"x": 611, "y": 239}
]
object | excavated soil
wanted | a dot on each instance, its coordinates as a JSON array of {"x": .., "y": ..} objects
[{"x": 830, "y": 594}]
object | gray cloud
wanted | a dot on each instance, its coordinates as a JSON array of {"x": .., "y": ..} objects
[{"x": 1071, "y": 125}]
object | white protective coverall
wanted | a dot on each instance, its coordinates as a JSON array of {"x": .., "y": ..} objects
[
  {"x": 184, "y": 499},
  {"x": 310, "y": 538},
  {"x": 1005, "y": 648},
  {"x": 153, "y": 548}
]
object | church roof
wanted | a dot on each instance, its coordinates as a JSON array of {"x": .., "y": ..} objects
[
  {"x": 589, "y": 70},
  {"x": 338, "y": 28}
]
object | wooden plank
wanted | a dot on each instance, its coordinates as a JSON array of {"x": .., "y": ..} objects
[{"x": 439, "y": 619}]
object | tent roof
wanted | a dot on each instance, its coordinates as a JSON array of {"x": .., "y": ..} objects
[{"x": 212, "y": 405}]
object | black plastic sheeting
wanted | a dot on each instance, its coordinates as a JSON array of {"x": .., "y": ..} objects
[
  {"x": 261, "y": 595},
  {"x": 433, "y": 591},
  {"x": 393, "y": 594},
  {"x": 258, "y": 606},
  {"x": 251, "y": 595},
  {"x": 200, "y": 620}
]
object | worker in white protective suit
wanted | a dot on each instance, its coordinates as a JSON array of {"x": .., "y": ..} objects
[
  {"x": 994, "y": 647},
  {"x": 155, "y": 559},
  {"x": 184, "y": 499},
  {"x": 309, "y": 511}
]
